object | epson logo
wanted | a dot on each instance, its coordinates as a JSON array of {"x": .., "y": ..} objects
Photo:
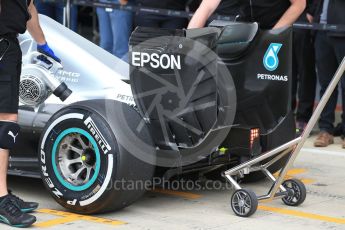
[{"x": 156, "y": 61}]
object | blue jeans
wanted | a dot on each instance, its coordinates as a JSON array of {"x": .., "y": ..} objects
[
  {"x": 115, "y": 28},
  {"x": 329, "y": 54},
  {"x": 55, "y": 11}
]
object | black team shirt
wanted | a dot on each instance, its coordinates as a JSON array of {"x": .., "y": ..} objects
[
  {"x": 13, "y": 16},
  {"x": 164, "y": 4},
  {"x": 266, "y": 12}
]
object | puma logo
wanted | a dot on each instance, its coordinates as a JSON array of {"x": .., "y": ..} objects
[{"x": 10, "y": 133}]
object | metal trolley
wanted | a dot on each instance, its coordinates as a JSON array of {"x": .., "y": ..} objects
[{"x": 244, "y": 202}]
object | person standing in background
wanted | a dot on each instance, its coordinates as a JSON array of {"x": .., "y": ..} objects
[
  {"x": 329, "y": 52},
  {"x": 304, "y": 74},
  {"x": 161, "y": 21},
  {"x": 268, "y": 13},
  {"x": 115, "y": 27},
  {"x": 55, "y": 10}
]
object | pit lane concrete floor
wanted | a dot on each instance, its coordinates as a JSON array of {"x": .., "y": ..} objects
[{"x": 323, "y": 171}]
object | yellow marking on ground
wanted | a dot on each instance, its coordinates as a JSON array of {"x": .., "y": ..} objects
[
  {"x": 54, "y": 222},
  {"x": 70, "y": 217},
  {"x": 303, "y": 214},
  {"x": 296, "y": 171},
  {"x": 53, "y": 212},
  {"x": 102, "y": 220},
  {"x": 187, "y": 195},
  {"x": 308, "y": 181},
  {"x": 304, "y": 180},
  {"x": 293, "y": 172}
]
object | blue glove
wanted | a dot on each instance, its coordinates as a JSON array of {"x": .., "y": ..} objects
[{"x": 45, "y": 49}]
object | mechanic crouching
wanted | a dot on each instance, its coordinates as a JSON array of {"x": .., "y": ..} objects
[{"x": 15, "y": 17}]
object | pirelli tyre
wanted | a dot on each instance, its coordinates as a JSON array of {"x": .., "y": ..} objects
[{"x": 83, "y": 165}]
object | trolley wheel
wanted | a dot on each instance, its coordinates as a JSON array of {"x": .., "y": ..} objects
[
  {"x": 296, "y": 192},
  {"x": 244, "y": 202}
]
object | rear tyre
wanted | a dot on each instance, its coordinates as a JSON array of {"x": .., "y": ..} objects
[{"x": 82, "y": 164}]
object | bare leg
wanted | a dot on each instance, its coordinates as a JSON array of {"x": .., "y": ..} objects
[
  {"x": 3, "y": 172},
  {"x": 4, "y": 155}
]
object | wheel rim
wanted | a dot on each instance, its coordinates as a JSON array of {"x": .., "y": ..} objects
[
  {"x": 76, "y": 159},
  {"x": 241, "y": 203},
  {"x": 294, "y": 192}
]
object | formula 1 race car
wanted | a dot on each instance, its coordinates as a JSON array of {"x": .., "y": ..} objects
[{"x": 190, "y": 101}]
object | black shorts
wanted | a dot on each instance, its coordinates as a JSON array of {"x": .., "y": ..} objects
[{"x": 10, "y": 70}]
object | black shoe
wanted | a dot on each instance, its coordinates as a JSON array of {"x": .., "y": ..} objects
[
  {"x": 10, "y": 214},
  {"x": 338, "y": 130},
  {"x": 24, "y": 206}
]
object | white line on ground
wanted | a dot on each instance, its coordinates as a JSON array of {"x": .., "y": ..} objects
[{"x": 323, "y": 152}]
